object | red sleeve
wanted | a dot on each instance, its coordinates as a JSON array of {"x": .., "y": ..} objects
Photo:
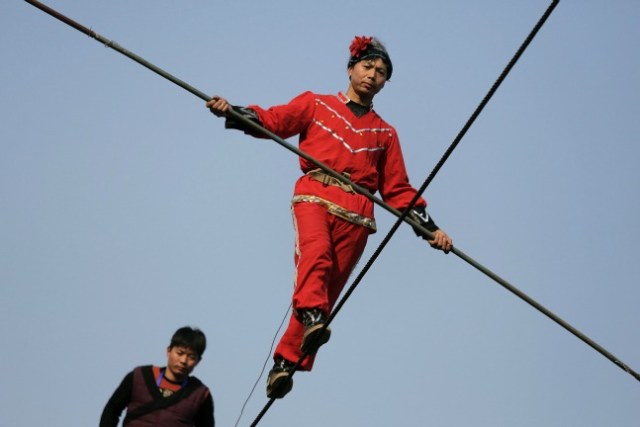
[
  {"x": 289, "y": 119},
  {"x": 393, "y": 181}
]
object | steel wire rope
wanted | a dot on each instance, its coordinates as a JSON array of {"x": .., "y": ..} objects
[
  {"x": 424, "y": 186},
  {"x": 402, "y": 216}
]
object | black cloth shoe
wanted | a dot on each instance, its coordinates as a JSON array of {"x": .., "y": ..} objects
[
  {"x": 279, "y": 383},
  {"x": 314, "y": 335}
]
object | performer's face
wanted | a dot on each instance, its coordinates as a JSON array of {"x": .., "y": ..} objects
[
  {"x": 180, "y": 362},
  {"x": 367, "y": 78}
]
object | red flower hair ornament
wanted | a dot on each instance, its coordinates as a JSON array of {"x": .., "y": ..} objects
[{"x": 359, "y": 45}]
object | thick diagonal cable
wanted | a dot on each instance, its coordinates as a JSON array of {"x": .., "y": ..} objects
[
  {"x": 457, "y": 251},
  {"x": 402, "y": 216},
  {"x": 454, "y": 250}
]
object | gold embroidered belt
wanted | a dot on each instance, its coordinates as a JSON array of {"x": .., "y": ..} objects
[{"x": 338, "y": 211}]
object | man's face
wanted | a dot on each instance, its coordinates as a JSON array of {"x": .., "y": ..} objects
[
  {"x": 180, "y": 362},
  {"x": 368, "y": 77}
]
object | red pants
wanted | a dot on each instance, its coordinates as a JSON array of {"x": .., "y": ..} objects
[{"x": 327, "y": 249}]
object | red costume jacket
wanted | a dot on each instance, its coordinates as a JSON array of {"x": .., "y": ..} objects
[{"x": 365, "y": 147}]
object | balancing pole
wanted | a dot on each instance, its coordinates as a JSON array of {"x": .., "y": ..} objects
[{"x": 402, "y": 215}]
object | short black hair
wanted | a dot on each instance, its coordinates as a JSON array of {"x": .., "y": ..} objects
[{"x": 190, "y": 338}]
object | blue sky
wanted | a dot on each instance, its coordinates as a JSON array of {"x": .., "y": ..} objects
[{"x": 129, "y": 211}]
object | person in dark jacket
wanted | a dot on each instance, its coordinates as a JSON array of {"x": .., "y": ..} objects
[{"x": 165, "y": 396}]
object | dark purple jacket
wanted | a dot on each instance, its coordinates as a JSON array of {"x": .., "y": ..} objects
[{"x": 191, "y": 406}]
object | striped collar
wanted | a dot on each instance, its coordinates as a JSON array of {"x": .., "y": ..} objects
[{"x": 345, "y": 99}]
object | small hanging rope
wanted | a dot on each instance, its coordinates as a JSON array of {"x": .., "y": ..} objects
[{"x": 264, "y": 365}]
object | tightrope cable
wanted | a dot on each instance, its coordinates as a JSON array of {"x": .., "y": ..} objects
[
  {"x": 402, "y": 216},
  {"x": 421, "y": 190}
]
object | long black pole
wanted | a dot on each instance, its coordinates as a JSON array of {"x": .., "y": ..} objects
[
  {"x": 327, "y": 169},
  {"x": 231, "y": 112}
]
